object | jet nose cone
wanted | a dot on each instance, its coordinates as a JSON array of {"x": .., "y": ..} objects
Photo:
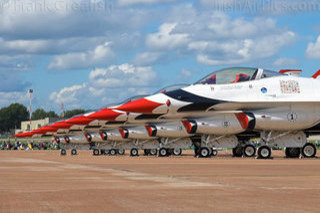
[
  {"x": 23, "y": 135},
  {"x": 18, "y": 135},
  {"x": 49, "y": 129},
  {"x": 139, "y": 106},
  {"x": 62, "y": 125},
  {"x": 81, "y": 120},
  {"x": 104, "y": 114}
]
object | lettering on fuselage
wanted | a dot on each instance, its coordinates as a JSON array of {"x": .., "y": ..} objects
[
  {"x": 231, "y": 87},
  {"x": 292, "y": 117},
  {"x": 290, "y": 87},
  {"x": 226, "y": 124}
]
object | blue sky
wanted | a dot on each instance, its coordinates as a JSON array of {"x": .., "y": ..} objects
[{"x": 87, "y": 54}]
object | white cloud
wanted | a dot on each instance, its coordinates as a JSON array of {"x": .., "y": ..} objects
[
  {"x": 313, "y": 50},
  {"x": 217, "y": 39},
  {"x": 184, "y": 75},
  {"x": 108, "y": 85},
  {"x": 101, "y": 55},
  {"x": 166, "y": 39},
  {"x": 147, "y": 58},
  {"x": 8, "y": 98},
  {"x": 285, "y": 62},
  {"x": 132, "y": 2}
]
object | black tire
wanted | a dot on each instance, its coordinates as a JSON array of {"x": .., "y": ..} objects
[
  {"x": 214, "y": 152},
  {"x": 264, "y": 152},
  {"x": 292, "y": 152},
  {"x": 237, "y": 152},
  {"x": 177, "y": 152},
  {"x": 249, "y": 151},
  {"x": 96, "y": 152},
  {"x": 163, "y": 152},
  {"x": 74, "y": 152},
  {"x": 204, "y": 152},
  {"x": 134, "y": 152},
  {"x": 121, "y": 151},
  {"x": 153, "y": 152},
  {"x": 309, "y": 150},
  {"x": 63, "y": 152},
  {"x": 146, "y": 152},
  {"x": 113, "y": 152}
]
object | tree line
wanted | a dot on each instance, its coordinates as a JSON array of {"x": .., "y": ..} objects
[{"x": 11, "y": 116}]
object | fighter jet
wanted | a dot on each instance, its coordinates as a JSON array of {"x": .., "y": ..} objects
[{"x": 230, "y": 107}]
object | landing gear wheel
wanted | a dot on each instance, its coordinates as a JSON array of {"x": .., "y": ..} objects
[
  {"x": 264, "y": 152},
  {"x": 146, "y": 152},
  {"x": 153, "y": 152},
  {"x": 249, "y": 151},
  {"x": 134, "y": 152},
  {"x": 121, "y": 151},
  {"x": 214, "y": 152},
  {"x": 63, "y": 152},
  {"x": 163, "y": 152},
  {"x": 237, "y": 152},
  {"x": 96, "y": 152},
  {"x": 73, "y": 152},
  {"x": 177, "y": 152},
  {"x": 309, "y": 150},
  {"x": 113, "y": 152},
  {"x": 292, "y": 152},
  {"x": 204, "y": 152}
]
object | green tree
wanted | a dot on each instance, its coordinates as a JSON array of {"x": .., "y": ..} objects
[
  {"x": 71, "y": 113},
  {"x": 11, "y": 117},
  {"x": 52, "y": 114},
  {"x": 39, "y": 114}
]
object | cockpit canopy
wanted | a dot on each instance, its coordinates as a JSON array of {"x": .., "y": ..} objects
[{"x": 236, "y": 75}]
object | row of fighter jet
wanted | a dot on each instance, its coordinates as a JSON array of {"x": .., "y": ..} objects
[{"x": 225, "y": 109}]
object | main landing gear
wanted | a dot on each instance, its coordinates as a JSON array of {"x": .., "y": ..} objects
[
  {"x": 246, "y": 151},
  {"x": 134, "y": 152},
  {"x": 150, "y": 152},
  {"x": 309, "y": 150},
  {"x": 264, "y": 152},
  {"x": 205, "y": 152}
]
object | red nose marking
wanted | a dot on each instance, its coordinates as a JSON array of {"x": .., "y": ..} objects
[
  {"x": 139, "y": 106},
  {"x": 61, "y": 125},
  {"x": 80, "y": 120},
  {"x": 105, "y": 115}
]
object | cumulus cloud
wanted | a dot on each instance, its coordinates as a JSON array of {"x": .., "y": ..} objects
[
  {"x": 147, "y": 58},
  {"x": 285, "y": 62},
  {"x": 12, "y": 97},
  {"x": 101, "y": 55},
  {"x": 133, "y": 2},
  {"x": 217, "y": 39},
  {"x": 107, "y": 85},
  {"x": 166, "y": 39},
  {"x": 313, "y": 49}
]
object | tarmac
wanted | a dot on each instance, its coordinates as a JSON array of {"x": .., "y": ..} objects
[{"x": 44, "y": 181}]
